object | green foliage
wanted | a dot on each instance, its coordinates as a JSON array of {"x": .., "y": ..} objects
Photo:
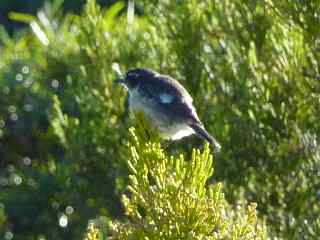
[
  {"x": 262, "y": 70},
  {"x": 9, "y": 6},
  {"x": 57, "y": 148},
  {"x": 168, "y": 198},
  {"x": 93, "y": 233},
  {"x": 253, "y": 70}
]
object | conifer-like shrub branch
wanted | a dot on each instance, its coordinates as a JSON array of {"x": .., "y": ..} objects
[{"x": 169, "y": 197}]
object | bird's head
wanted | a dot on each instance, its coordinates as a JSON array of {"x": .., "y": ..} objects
[{"x": 134, "y": 77}]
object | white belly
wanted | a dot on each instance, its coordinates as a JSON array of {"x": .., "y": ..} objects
[{"x": 176, "y": 131}]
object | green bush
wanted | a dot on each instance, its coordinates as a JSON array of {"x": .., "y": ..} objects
[
  {"x": 252, "y": 68},
  {"x": 169, "y": 199}
]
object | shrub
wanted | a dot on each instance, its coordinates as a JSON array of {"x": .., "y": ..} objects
[
  {"x": 252, "y": 68},
  {"x": 168, "y": 199}
]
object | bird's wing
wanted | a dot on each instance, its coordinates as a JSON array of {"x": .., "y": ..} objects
[{"x": 171, "y": 96}]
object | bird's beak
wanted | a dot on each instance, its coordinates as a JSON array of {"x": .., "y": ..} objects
[{"x": 119, "y": 81}]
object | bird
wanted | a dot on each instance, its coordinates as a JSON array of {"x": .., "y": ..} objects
[{"x": 165, "y": 103}]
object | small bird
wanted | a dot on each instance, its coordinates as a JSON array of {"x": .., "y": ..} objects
[{"x": 165, "y": 103}]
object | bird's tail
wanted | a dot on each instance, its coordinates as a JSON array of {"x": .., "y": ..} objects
[{"x": 202, "y": 133}]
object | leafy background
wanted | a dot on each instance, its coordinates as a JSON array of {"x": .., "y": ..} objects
[{"x": 251, "y": 66}]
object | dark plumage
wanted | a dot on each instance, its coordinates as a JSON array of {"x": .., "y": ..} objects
[{"x": 166, "y": 103}]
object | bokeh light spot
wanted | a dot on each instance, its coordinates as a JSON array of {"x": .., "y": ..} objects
[
  {"x": 63, "y": 221},
  {"x": 26, "y": 161},
  {"x": 17, "y": 179},
  {"x": 146, "y": 35},
  {"x": 25, "y": 69},
  {"x": 69, "y": 210},
  {"x": 14, "y": 117},
  {"x": 19, "y": 77},
  {"x": 55, "y": 83},
  {"x": 28, "y": 107},
  {"x": 8, "y": 235},
  {"x": 12, "y": 109},
  {"x": 6, "y": 90},
  {"x": 2, "y": 123},
  {"x": 28, "y": 82}
]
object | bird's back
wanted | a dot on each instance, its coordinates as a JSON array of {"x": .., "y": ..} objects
[{"x": 171, "y": 96}]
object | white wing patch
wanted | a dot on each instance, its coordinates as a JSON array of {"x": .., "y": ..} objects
[
  {"x": 183, "y": 132},
  {"x": 165, "y": 98}
]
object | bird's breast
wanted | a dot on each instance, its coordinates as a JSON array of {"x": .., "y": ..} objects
[
  {"x": 167, "y": 125},
  {"x": 140, "y": 103}
]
